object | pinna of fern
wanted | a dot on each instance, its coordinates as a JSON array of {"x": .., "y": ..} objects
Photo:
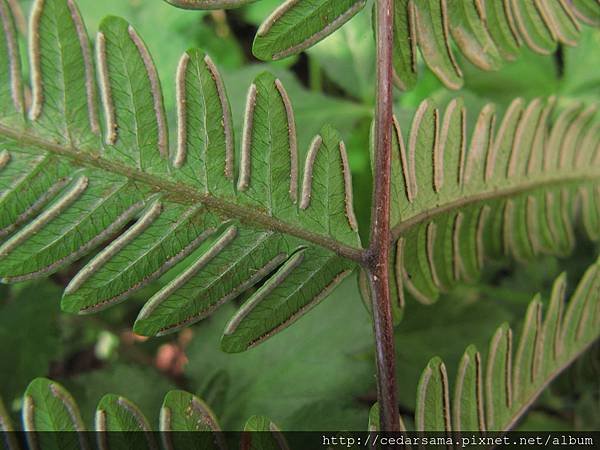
[
  {"x": 67, "y": 187},
  {"x": 52, "y": 421},
  {"x": 491, "y": 392},
  {"x": 74, "y": 179},
  {"x": 487, "y": 33},
  {"x": 513, "y": 190}
]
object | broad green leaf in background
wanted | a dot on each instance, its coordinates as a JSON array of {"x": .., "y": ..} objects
[
  {"x": 348, "y": 58},
  {"x": 255, "y": 12},
  {"x": 29, "y": 323},
  {"x": 530, "y": 76},
  {"x": 580, "y": 77}
]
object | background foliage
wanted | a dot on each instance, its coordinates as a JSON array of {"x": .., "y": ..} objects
[{"x": 317, "y": 374}]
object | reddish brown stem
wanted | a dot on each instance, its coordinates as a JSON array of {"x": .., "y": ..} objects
[{"x": 379, "y": 246}]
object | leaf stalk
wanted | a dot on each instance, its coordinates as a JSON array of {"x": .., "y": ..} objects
[{"x": 377, "y": 254}]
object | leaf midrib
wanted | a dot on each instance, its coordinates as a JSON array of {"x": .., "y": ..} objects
[
  {"x": 183, "y": 194},
  {"x": 494, "y": 193},
  {"x": 180, "y": 193}
]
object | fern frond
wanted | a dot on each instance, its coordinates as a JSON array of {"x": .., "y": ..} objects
[
  {"x": 72, "y": 179},
  {"x": 493, "y": 395},
  {"x": 186, "y": 422},
  {"x": 487, "y": 33},
  {"x": 514, "y": 191}
]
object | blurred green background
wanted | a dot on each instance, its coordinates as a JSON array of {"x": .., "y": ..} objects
[{"x": 318, "y": 374}]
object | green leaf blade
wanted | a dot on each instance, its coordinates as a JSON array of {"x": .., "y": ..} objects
[
  {"x": 205, "y": 147},
  {"x": 326, "y": 200},
  {"x": 163, "y": 235},
  {"x": 48, "y": 407},
  {"x": 533, "y": 27},
  {"x": 12, "y": 104},
  {"x": 433, "y": 409},
  {"x": 472, "y": 37},
  {"x": 213, "y": 279},
  {"x": 101, "y": 210},
  {"x": 302, "y": 282},
  {"x": 500, "y": 22},
  {"x": 433, "y": 38},
  {"x": 121, "y": 425},
  {"x": 269, "y": 150},
  {"x": 186, "y": 423},
  {"x": 64, "y": 103},
  {"x": 441, "y": 236},
  {"x": 136, "y": 131},
  {"x": 298, "y": 24},
  {"x": 467, "y": 408},
  {"x": 405, "y": 45},
  {"x": 261, "y": 433}
]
